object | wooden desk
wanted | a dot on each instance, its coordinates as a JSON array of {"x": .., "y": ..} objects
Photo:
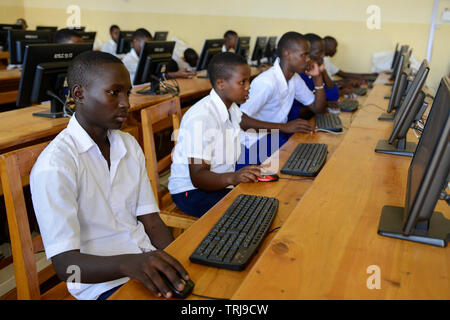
[
  {"x": 330, "y": 240},
  {"x": 214, "y": 282},
  {"x": 4, "y": 59},
  {"x": 9, "y": 85}
]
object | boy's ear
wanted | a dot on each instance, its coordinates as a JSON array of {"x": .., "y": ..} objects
[
  {"x": 220, "y": 84},
  {"x": 77, "y": 93}
]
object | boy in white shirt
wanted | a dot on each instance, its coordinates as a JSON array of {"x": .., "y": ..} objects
[
  {"x": 91, "y": 193},
  {"x": 111, "y": 45},
  {"x": 230, "y": 38},
  {"x": 272, "y": 94}
]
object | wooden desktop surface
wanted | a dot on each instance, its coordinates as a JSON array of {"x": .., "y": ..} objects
[
  {"x": 9, "y": 85},
  {"x": 220, "y": 283},
  {"x": 329, "y": 243}
]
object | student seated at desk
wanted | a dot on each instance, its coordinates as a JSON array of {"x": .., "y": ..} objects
[
  {"x": 230, "y": 38},
  {"x": 22, "y": 22},
  {"x": 316, "y": 53},
  {"x": 131, "y": 59},
  {"x": 111, "y": 45},
  {"x": 91, "y": 194},
  {"x": 208, "y": 146},
  {"x": 67, "y": 36},
  {"x": 190, "y": 59},
  {"x": 272, "y": 94},
  {"x": 330, "y": 50}
]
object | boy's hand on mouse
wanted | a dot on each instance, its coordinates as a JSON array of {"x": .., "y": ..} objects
[
  {"x": 145, "y": 268},
  {"x": 247, "y": 174},
  {"x": 298, "y": 125}
]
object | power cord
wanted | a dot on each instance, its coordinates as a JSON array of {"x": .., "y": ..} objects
[
  {"x": 206, "y": 297},
  {"x": 66, "y": 110}
]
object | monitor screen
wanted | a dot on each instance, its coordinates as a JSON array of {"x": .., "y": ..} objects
[
  {"x": 87, "y": 36},
  {"x": 260, "y": 46},
  {"x": 160, "y": 35},
  {"x": 44, "y": 71},
  {"x": 153, "y": 60},
  {"x": 271, "y": 49},
  {"x": 210, "y": 48},
  {"x": 394, "y": 60},
  {"x": 124, "y": 41},
  {"x": 429, "y": 169},
  {"x": 19, "y": 39},
  {"x": 395, "y": 87},
  {"x": 242, "y": 46},
  {"x": 410, "y": 105}
]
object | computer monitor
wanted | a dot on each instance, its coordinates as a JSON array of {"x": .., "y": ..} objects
[
  {"x": 44, "y": 73},
  {"x": 153, "y": 60},
  {"x": 242, "y": 46},
  {"x": 258, "y": 51},
  {"x": 428, "y": 177},
  {"x": 396, "y": 54},
  {"x": 160, "y": 36},
  {"x": 79, "y": 29},
  {"x": 4, "y": 34},
  {"x": 46, "y": 28},
  {"x": 395, "y": 89},
  {"x": 124, "y": 41},
  {"x": 403, "y": 50},
  {"x": 411, "y": 110},
  {"x": 211, "y": 47},
  {"x": 18, "y": 39},
  {"x": 271, "y": 49},
  {"x": 88, "y": 36}
]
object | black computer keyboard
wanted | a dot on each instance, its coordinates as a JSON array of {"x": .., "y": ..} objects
[
  {"x": 306, "y": 160},
  {"x": 233, "y": 240},
  {"x": 329, "y": 122},
  {"x": 348, "y": 105}
]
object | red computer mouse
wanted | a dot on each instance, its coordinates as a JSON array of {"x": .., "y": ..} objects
[{"x": 268, "y": 178}]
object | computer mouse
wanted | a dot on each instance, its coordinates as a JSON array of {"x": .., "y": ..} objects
[
  {"x": 188, "y": 287},
  {"x": 268, "y": 178}
]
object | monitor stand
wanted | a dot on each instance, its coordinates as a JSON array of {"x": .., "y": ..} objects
[
  {"x": 387, "y": 97},
  {"x": 54, "y": 112},
  {"x": 433, "y": 232},
  {"x": 399, "y": 148},
  {"x": 154, "y": 89},
  {"x": 387, "y": 116}
]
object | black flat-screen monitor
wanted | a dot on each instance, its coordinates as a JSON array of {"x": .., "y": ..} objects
[
  {"x": 428, "y": 178},
  {"x": 403, "y": 50},
  {"x": 411, "y": 110},
  {"x": 210, "y": 48},
  {"x": 88, "y": 36},
  {"x": 153, "y": 61},
  {"x": 4, "y": 34},
  {"x": 46, "y": 28},
  {"x": 124, "y": 41},
  {"x": 160, "y": 36},
  {"x": 242, "y": 46},
  {"x": 258, "y": 50},
  {"x": 271, "y": 49},
  {"x": 18, "y": 39},
  {"x": 44, "y": 75},
  {"x": 79, "y": 29},
  {"x": 394, "y": 60}
]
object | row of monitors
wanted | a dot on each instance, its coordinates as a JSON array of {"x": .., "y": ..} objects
[{"x": 45, "y": 67}]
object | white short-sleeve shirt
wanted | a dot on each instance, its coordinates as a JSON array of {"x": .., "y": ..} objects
[
  {"x": 210, "y": 132},
  {"x": 271, "y": 96},
  {"x": 330, "y": 67},
  {"x": 81, "y": 204},
  {"x": 131, "y": 61},
  {"x": 110, "y": 47}
]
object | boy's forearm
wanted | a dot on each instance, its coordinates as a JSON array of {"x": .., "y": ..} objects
[
  {"x": 210, "y": 181},
  {"x": 157, "y": 231},
  {"x": 252, "y": 123},
  {"x": 320, "y": 100}
]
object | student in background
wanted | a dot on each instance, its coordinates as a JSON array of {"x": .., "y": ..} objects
[
  {"x": 111, "y": 45},
  {"x": 330, "y": 50},
  {"x": 208, "y": 146},
  {"x": 131, "y": 59},
  {"x": 230, "y": 38},
  {"x": 189, "y": 60},
  {"x": 67, "y": 36},
  {"x": 91, "y": 194},
  {"x": 23, "y": 23},
  {"x": 316, "y": 54},
  {"x": 272, "y": 94}
]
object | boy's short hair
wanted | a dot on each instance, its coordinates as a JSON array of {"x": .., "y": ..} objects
[
  {"x": 114, "y": 26},
  {"x": 286, "y": 41},
  {"x": 85, "y": 65},
  {"x": 312, "y": 38},
  {"x": 222, "y": 66},
  {"x": 141, "y": 34},
  {"x": 329, "y": 39},
  {"x": 229, "y": 34},
  {"x": 64, "y": 35},
  {"x": 190, "y": 56}
]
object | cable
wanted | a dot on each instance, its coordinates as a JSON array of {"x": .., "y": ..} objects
[
  {"x": 206, "y": 297},
  {"x": 295, "y": 179},
  {"x": 329, "y": 131},
  {"x": 375, "y": 105},
  {"x": 273, "y": 230},
  {"x": 66, "y": 110}
]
